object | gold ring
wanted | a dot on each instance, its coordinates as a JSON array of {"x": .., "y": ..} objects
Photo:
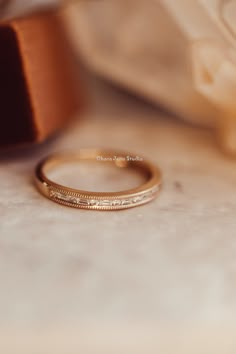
[{"x": 99, "y": 200}]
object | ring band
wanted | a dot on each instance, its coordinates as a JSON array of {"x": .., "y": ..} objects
[{"x": 99, "y": 200}]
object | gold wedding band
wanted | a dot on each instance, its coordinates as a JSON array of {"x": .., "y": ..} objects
[{"x": 99, "y": 200}]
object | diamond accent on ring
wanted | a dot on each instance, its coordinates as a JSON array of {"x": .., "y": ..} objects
[
  {"x": 137, "y": 199},
  {"x": 86, "y": 202},
  {"x": 105, "y": 203},
  {"x": 116, "y": 202},
  {"x": 93, "y": 202},
  {"x": 126, "y": 202}
]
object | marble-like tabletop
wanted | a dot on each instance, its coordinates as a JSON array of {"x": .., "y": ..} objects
[{"x": 158, "y": 278}]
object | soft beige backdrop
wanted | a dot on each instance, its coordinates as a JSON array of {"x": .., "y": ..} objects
[
  {"x": 159, "y": 278},
  {"x": 178, "y": 53}
]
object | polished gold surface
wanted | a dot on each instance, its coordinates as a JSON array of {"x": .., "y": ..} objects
[{"x": 99, "y": 200}]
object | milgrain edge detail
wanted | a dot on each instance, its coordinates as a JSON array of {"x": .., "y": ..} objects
[
  {"x": 97, "y": 200},
  {"x": 84, "y": 201}
]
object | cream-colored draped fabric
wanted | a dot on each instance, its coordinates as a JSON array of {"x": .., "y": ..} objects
[{"x": 178, "y": 53}]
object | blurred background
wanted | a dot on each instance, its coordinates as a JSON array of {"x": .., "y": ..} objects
[{"x": 156, "y": 78}]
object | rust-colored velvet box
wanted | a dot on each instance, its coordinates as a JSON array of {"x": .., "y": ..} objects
[{"x": 38, "y": 93}]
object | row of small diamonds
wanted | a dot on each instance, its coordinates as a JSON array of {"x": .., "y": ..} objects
[{"x": 94, "y": 202}]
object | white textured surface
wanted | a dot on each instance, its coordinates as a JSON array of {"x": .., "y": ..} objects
[{"x": 169, "y": 267}]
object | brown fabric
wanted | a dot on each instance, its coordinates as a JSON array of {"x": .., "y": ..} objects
[{"x": 38, "y": 94}]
